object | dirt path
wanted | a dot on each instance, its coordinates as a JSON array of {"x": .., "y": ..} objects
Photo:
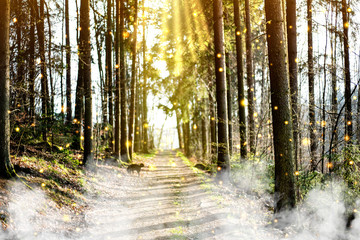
[{"x": 168, "y": 201}]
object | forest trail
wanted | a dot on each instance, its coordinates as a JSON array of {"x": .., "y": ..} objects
[{"x": 168, "y": 202}]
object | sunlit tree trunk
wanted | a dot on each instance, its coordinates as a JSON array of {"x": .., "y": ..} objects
[
  {"x": 220, "y": 68},
  {"x": 85, "y": 56},
  {"x": 137, "y": 138},
  {"x": 145, "y": 147},
  {"x": 312, "y": 125},
  {"x": 249, "y": 78},
  {"x": 240, "y": 78},
  {"x": 186, "y": 135},
  {"x": 204, "y": 128},
  {"x": 280, "y": 105},
  {"x": 133, "y": 82},
  {"x": 5, "y": 165},
  {"x": 178, "y": 127},
  {"x": 123, "y": 88}
]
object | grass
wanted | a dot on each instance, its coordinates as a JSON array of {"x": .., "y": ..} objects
[{"x": 61, "y": 178}]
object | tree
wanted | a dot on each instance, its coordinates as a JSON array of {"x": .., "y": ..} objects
[
  {"x": 229, "y": 101},
  {"x": 348, "y": 113},
  {"x": 240, "y": 78},
  {"x": 133, "y": 82},
  {"x": 292, "y": 59},
  {"x": 43, "y": 75},
  {"x": 85, "y": 57},
  {"x": 280, "y": 105},
  {"x": 249, "y": 78},
  {"x": 108, "y": 69},
  {"x": 68, "y": 64},
  {"x": 145, "y": 147},
  {"x": 32, "y": 59},
  {"x": 124, "y": 112},
  {"x": 117, "y": 80},
  {"x": 5, "y": 164},
  {"x": 312, "y": 127},
  {"x": 222, "y": 114}
]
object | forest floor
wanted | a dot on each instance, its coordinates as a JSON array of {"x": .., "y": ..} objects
[{"x": 169, "y": 200}]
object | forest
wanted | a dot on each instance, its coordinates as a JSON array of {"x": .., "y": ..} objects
[{"x": 179, "y": 119}]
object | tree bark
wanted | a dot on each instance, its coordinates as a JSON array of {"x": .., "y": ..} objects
[
  {"x": 108, "y": 74},
  {"x": 133, "y": 83},
  {"x": 348, "y": 116},
  {"x": 240, "y": 78},
  {"x": 68, "y": 64},
  {"x": 312, "y": 127},
  {"x": 123, "y": 88},
  {"x": 229, "y": 101},
  {"x": 334, "y": 104},
  {"x": 204, "y": 129},
  {"x": 178, "y": 127},
  {"x": 292, "y": 59},
  {"x": 145, "y": 147},
  {"x": 117, "y": 79},
  {"x": 281, "y": 110},
  {"x": 220, "y": 68},
  {"x": 5, "y": 164},
  {"x": 249, "y": 79},
  {"x": 43, "y": 75},
  {"x": 85, "y": 56},
  {"x": 32, "y": 60}
]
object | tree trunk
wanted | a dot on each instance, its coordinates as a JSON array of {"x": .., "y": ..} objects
[
  {"x": 229, "y": 101},
  {"x": 43, "y": 75},
  {"x": 20, "y": 80},
  {"x": 204, "y": 131},
  {"x": 137, "y": 138},
  {"x": 240, "y": 78},
  {"x": 124, "y": 138},
  {"x": 144, "y": 104},
  {"x": 280, "y": 102},
  {"x": 85, "y": 56},
  {"x": 117, "y": 79},
  {"x": 133, "y": 83},
  {"x": 348, "y": 116},
  {"x": 213, "y": 142},
  {"x": 186, "y": 131},
  {"x": 32, "y": 60},
  {"x": 5, "y": 164},
  {"x": 312, "y": 126},
  {"x": 292, "y": 59},
  {"x": 249, "y": 79},
  {"x": 68, "y": 64},
  {"x": 334, "y": 105},
  {"x": 220, "y": 68},
  {"x": 178, "y": 127},
  {"x": 108, "y": 74}
]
